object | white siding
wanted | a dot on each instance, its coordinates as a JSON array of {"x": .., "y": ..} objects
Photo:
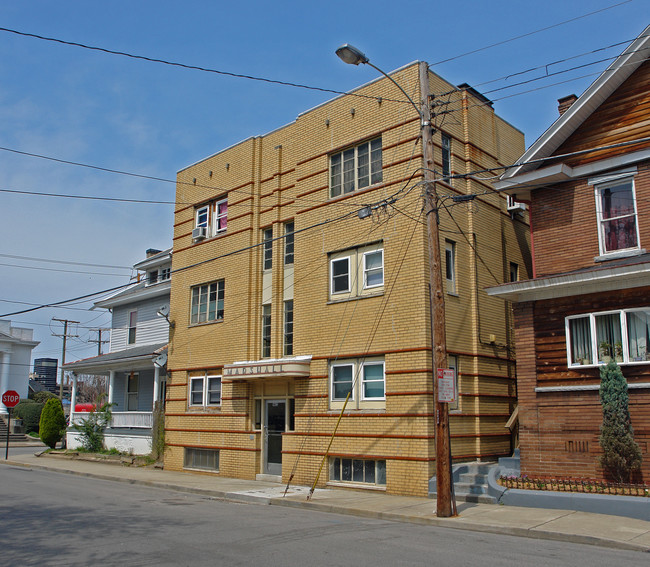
[{"x": 150, "y": 328}]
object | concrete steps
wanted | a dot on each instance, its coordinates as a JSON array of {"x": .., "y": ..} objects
[
  {"x": 471, "y": 480},
  {"x": 13, "y": 437}
]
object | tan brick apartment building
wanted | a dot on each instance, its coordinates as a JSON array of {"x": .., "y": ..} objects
[
  {"x": 284, "y": 299},
  {"x": 587, "y": 180}
]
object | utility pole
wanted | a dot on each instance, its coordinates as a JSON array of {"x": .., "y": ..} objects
[
  {"x": 65, "y": 337},
  {"x": 99, "y": 340},
  {"x": 445, "y": 505}
]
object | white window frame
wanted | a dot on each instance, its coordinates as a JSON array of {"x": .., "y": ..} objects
[
  {"x": 615, "y": 181},
  {"x": 620, "y": 353},
  {"x": 358, "y": 399},
  {"x": 357, "y": 272},
  {"x": 450, "y": 267},
  {"x": 287, "y": 335},
  {"x": 132, "y": 326},
  {"x": 356, "y": 167},
  {"x": 210, "y": 217},
  {"x": 267, "y": 330},
  {"x": 207, "y": 380},
  {"x": 220, "y": 287},
  {"x": 218, "y": 217},
  {"x": 366, "y": 270},
  {"x": 337, "y": 261}
]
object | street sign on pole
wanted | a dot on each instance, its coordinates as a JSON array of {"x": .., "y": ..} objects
[
  {"x": 10, "y": 399},
  {"x": 446, "y": 385}
]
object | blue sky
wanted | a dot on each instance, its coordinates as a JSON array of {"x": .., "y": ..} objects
[{"x": 152, "y": 119}]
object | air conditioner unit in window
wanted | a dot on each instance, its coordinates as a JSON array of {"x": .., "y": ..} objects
[
  {"x": 199, "y": 233},
  {"x": 514, "y": 206}
]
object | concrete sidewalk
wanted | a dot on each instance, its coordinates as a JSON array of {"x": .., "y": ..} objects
[{"x": 561, "y": 525}]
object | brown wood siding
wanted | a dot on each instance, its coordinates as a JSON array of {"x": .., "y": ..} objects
[
  {"x": 565, "y": 227},
  {"x": 550, "y": 338},
  {"x": 623, "y": 117}
]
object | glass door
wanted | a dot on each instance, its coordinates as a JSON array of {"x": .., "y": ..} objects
[{"x": 274, "y": 427}]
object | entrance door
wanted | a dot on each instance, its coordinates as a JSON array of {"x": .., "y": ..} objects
[{"x": 274, "y": 426}]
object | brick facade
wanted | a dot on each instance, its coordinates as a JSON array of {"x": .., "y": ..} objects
[{"x": 284, "y": 176}]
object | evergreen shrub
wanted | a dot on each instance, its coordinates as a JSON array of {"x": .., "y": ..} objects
[{"x": 52, "y": 424}]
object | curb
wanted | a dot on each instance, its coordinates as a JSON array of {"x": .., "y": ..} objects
[{"x": 450, "y": 523}]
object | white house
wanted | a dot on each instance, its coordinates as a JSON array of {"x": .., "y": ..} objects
[
  {"x": 136, "y": 363},
  {"x": 16, "y": 344}
]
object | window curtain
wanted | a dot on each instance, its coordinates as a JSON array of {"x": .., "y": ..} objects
[
  {"x": 580, "y": 332},
  {"x": 638, "y": 333},
  {"x": 608, "y": 335}
]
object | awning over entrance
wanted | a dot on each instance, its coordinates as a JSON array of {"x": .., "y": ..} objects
[{"x": 267, "y": 368}]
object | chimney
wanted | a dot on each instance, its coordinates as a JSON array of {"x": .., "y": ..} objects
[
  {"x": 152, "y": 252},
  {"x": 564, "y": 103}
]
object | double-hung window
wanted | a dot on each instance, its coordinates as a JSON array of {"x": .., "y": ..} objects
[
  {"x": 288, "y": 327},
  {"x": 596, "y": 338},
  {"x": 207, "y": 302},
  {"x": 364, "y": 380},
  {"x": 205, "y": 390},
  {"x": 132, "y": 327},
  {"x": 357, "y": 272},
  {"x": 355, "y": 168},
  {"x": 618, "y": 229},
  {"x": 266, "y": 331},
  {"x": 212, "y": 217}
]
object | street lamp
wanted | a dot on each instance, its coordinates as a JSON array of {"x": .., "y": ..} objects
[{"x": 445, "y": 504}]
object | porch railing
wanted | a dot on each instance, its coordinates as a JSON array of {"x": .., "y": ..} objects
[{"x": 133, "y": 419}]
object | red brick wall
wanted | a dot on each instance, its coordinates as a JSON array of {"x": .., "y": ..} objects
[{"x": 565, "y": 228}]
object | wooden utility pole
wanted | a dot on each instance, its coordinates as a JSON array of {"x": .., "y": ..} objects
[
  {"x": 445, "y": 505},
  {"x": 65, "y": 337},
  {"x": 99, "y": 340}
]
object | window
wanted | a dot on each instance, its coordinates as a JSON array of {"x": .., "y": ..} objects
[
  {"x": 267, "y": 239},
  {"x": 207, "y": 303},
  {"x": 357, "y": 272},
  {"x": 213, "y": 217},
  {"x": 514, "y": 272},
  {"x": 364, "y": 471},
  {"x": 288, "y": 328},
  {"x": 205, "y": 390},
  {"x": 446, "y": 157},
  {"x": 617, "y": 217},
  {"x": 363, "y": 379},
  {"x": 266, "y": 331},
  {"x": 204, "y": 459},
  {"x": 288, "y": 243},
  {"x": 450, "y": 266},
  {"x": 597, "y": 338},
  {"x": 355, "y": 168},
  {"x": 133, "y": 320},
  {"x": 156, "y": 276}
]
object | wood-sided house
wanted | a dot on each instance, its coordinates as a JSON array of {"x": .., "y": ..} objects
[{"x": 587, "y": 183}]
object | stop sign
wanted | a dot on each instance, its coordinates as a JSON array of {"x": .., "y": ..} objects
[{"x": 10, "y": 398}]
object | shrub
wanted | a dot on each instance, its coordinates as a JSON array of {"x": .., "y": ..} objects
[
  {"x": 42, "y": 397},
  {"x": 30, "y": 412},
  {"x": 92, "y": 428},
  {"x": 621, "y": 454},
  {"x": 52, "y": 424}
]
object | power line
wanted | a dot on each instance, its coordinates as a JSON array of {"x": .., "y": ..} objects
[
  {"x": 191, "y": 67},
  {"x": 31, "y": 258},
  {"x": 59, "y": 270},
  {"x": 529, "y": 33}
]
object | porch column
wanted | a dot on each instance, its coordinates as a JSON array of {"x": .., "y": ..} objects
[
  {"x": 156, "y": 384},
  {"x": 4, "y": 378},
  {"x": 111, "y": 385},
  {"x": 73, "y": 397}
]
